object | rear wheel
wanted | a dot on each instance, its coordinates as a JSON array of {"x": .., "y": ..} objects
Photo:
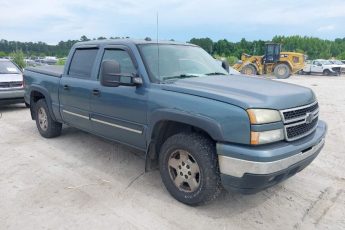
[
  {"x": 249, "y": 70},
  {"x": 189, "y": 168},
  {"x": 282, "y": 71},
  {"x": 46, "y": 126}
]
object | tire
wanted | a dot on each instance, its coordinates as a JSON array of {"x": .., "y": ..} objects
[
  {"x": 46, "y": 126},
  {"x": 249, "y": 70},
  {"x": 326, "y": 72},
  {"x": 190, "y": 161},
  {"x": 282, "y": 71}
]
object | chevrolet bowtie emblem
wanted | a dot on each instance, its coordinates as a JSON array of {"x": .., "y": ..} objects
[{"x": 309, "y": 118}]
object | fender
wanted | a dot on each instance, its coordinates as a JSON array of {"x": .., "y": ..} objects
[
  {"x": 46, "y": 95},
  {"x": 212, "y": 127}
]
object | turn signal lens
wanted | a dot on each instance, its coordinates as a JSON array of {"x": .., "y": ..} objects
[{"x": 258, "y": 138}]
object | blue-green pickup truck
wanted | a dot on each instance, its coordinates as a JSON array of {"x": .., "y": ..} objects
[{"x": 203, "y": 128}]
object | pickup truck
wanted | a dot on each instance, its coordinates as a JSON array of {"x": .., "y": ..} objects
[
  {"x": 201, "y": 127},
  {"x": 321, "y": 66}
]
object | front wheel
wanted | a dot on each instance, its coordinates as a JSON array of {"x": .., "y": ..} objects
[
  {"x": 189, "y": 168},
  {"x": 282, "y": 71},
  {"x": 249, "y": 70},
  {"x": 46, "y": 126},
  {"x": 326, "y": 72}
]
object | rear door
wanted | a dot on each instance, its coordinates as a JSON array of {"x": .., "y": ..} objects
[
  {"x": 119, "y": 113},
  {"x": 75, "y": 88},
  {"x": 307, "y": 66}
]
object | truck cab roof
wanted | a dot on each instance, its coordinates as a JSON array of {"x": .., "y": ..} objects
[{"x": 128, "y": 41}]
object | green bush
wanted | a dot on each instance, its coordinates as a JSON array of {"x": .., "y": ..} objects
[
  {"x": 232, "y": 60},
  {"x": 61, "y": 61},
  {"x": 2, "y": 54},
  {"x": 18, "y": 58},
  {"x": 341, "y": 56}
]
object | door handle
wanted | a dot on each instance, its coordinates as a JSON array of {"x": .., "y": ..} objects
[
  {"x": 96, "y": 92},
  {"x": 66, "y": 87}
]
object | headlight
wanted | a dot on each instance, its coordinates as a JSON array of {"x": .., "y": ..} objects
[
  {"x": 258, "y": 138},
  {"x": 263, "y": 116}
]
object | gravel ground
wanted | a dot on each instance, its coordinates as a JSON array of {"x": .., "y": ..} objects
[{"x": 80, "y": 181}]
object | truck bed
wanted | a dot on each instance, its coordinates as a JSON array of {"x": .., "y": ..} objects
[{"x": 52, "y": 70}]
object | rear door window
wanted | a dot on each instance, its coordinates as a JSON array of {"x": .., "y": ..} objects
[{"x": 82, "y": 63}]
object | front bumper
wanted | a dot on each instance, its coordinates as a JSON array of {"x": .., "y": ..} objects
[
  {"x": 11, "y": 96},
  {"x": 249, "y": 169}
]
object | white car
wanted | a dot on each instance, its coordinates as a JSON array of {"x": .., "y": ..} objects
[{"x": 321, "y": 66}]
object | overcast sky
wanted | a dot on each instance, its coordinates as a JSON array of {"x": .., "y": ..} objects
[{"x": 54, "y": 20}]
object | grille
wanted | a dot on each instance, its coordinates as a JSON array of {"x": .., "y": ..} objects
[
  {"x": 301, "y": 130},
  {"x": 300, "y": 113},
  {"x": 336, "y": 69},
  {"x": 300, "y": 122},
  {"x": 11, "y": 84}
]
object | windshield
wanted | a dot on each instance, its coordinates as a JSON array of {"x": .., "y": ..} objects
[
  {"x": 326, "y": 62},
  {"x": 178, "y": 61},
  {"x": 337, "y": 62},
  {"x": 7, "y": 67}
]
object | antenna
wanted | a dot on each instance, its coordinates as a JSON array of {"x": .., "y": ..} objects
[{"x": 157, "y": 21}]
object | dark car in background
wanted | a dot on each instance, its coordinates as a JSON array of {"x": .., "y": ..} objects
[{"x": 11, "y": 83}]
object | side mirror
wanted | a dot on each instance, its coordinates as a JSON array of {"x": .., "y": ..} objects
[
  {"x": 111, "y": 75},
  {"x": 225, "y": 66}
]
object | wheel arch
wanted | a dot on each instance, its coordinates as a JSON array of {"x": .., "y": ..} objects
[
  {"x": 284, "y": 62},
  {"x": 251, "y": 64},
  {"x": 168, "y": 123},
  {"x": 37, "y": 93}
]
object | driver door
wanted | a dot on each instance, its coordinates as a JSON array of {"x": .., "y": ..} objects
[
  {"x": 119, "y": 113},
  {"x": 316, "y": 67}
]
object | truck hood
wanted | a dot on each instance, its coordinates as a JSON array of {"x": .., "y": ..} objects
[
  {"x": 245, "y": 92},
  {"x": 336, "y": 66},
  {"x": 10, "y": 77}
]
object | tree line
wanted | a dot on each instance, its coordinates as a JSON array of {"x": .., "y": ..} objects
[
  {"x": 311, "y": 46},
  {"x": 41, "y": 49}
]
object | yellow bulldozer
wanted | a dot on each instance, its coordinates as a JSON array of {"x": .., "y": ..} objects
[{"x": 282, "y": 64}]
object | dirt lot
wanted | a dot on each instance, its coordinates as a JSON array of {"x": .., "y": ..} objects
[{"x": 79, "y": 181}]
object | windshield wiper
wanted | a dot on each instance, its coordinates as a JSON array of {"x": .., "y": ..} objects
[
  {"x": 182, "y": 76},
  {"x": 215, "y": 73}
]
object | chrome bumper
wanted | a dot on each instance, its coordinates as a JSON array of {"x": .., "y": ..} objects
[
  {"x": 11, "y": 93},
  {"x": 238, "y": 167}
]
